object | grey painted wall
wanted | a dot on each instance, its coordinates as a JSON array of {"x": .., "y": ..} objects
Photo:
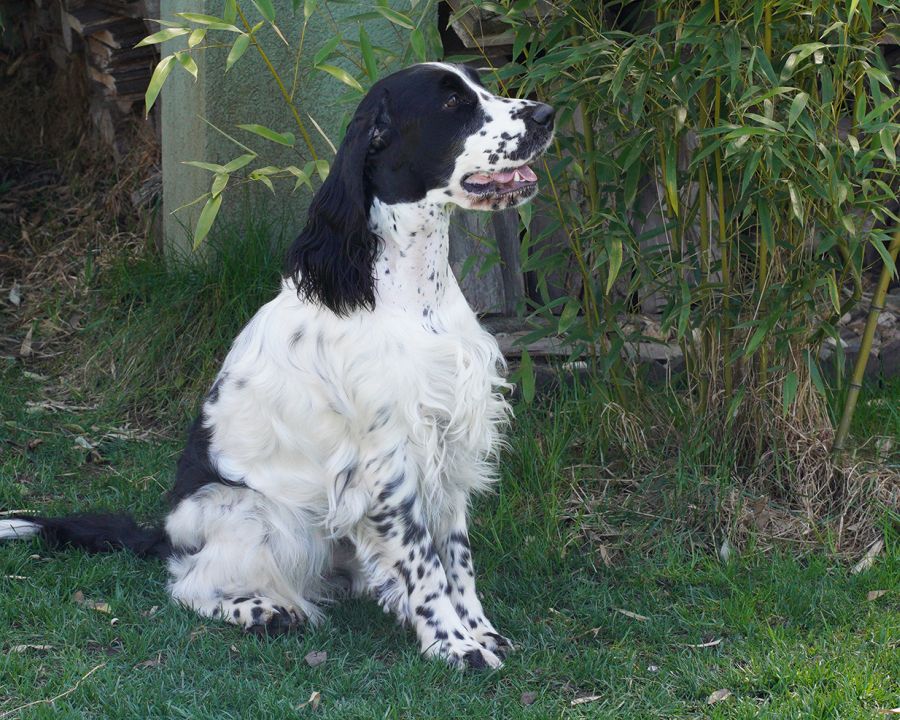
[{"x": 248, "y": 94}]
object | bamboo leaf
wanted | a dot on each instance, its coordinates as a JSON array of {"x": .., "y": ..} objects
[
  {"x": 212, "y": 167},
  {"x": 187, "y": 62},
  {"x": 218, "y": 184},
  {"x": 395, "y": 17},
  {"x": 368, "y": 54},
  {"x": 797, "y": 105},
  {"x": 326, "y": 50},
  {"x": 614, "y": 249},
  {"x": 796, "y": 202},
  {"x": 309, "y": 7},
  {"x": 526, "y": 370},
  {"x": 196, "y": 37},
  {"x": 789, "y": 391},
  {"x": 206, "y": 219},
  {"x": 277, "y": 137},
  {"x": 211, "y": 21},
  {"x": 887, "y": 144},
  {"x": 417, "y": 41},
  {"x": 833, "y": 292},
  {"x": 323, "y": 169},
  {"x": 266, "y": 9},
  {"x": 230, "y": 13},
  {"x": 162, "y": 36},
  {"x": 568, "y": 315},
  {"x": 237, "y": 50},
  {"x": 239, "y": 162},
  {"x": 163, "y": 68},
  {"x": 671, "y": 177},
  {"x": 341, "y": 75}
]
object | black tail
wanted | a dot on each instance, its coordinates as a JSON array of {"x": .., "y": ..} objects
[{"x": 94, "y": 532}]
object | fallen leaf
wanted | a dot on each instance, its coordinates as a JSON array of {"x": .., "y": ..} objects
[
  {"x": 890, "y": 711},
  {"x": 34, "y": 442},
  {"x": 528, "y": 698},
  {"x": 78, "y": 597},
  {"x": 725, "y": 552},
  {"x": 711, "y": 643},
  {"x": 869, "y": 558},
  {"x": 152, "y": 662},
  {"x": 632, "y": 615},
  {"x": 653, "y": 668},
  {"x": 718, "y": 696},
  {"x": 83, "y": 443},
  {"x": 151, "y": 612},
  {"x": 316, "y": 657},
  {"x": 98, "y": 606},
  {"x": 604, "y": 555},
  {"x": 26, "y": 648},
  {"x": 16, "y": 577},
  {"x": 25, "y": 348},
  {"x": 15, "y": 295},
  {"x": 313, "y": 701},
  {"x": 875, "y": 594},
  {"x": 586, "y": 699}
]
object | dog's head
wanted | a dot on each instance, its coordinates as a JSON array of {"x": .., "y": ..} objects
[{"x": 429, "y": 133}]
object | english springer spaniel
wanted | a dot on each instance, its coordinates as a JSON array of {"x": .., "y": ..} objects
[{"x": 358, "y": 411}]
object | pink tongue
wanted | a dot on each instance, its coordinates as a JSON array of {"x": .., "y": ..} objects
[{"x": 525, "y": 173}]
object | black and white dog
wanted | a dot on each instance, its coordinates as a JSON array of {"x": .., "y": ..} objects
[{"x": 358, "y": 411}]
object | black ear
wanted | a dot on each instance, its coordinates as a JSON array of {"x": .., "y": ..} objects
[{"x": 332, "y": 262}]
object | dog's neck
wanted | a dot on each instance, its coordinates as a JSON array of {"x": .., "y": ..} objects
[{"x": 412, "y": 270}]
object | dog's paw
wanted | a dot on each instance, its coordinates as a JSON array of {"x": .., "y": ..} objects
[
  {"x": 465, "y": 652},
  {"x": 495, "y": 642},
  {"x": 261, "y": 616}
]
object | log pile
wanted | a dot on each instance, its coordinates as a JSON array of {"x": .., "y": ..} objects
[{"x": 100, "y": 35}]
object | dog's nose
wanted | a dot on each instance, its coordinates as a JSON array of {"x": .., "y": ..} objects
[{"x": 543, "y": 114}]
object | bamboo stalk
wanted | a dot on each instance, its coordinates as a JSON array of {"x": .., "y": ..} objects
[
  {"x": 284, "y": 92},
  {"x": 865, "y": 347}
]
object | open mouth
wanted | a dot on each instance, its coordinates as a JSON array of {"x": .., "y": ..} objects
[{"x": 503, "y": 182}]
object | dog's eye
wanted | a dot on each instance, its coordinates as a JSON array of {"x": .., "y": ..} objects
[{"x": 453, "y": 101}]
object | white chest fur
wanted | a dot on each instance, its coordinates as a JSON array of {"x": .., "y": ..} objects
[{"x": 307, "y": 399}]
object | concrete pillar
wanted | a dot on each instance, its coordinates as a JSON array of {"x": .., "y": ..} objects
[{"x": 248, "y": 94}]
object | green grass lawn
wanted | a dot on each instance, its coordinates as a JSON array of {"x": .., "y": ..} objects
[{"x": 789, "y": 637}]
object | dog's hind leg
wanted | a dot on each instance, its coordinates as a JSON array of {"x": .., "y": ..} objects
[{"x": 245, "y": 560}]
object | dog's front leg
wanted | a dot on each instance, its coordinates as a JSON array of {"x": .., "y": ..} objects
[
  {"x": 456, "y": 556},
  {"x": 405, "y": 572}
]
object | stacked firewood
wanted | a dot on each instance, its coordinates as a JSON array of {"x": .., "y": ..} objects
[{"x": 104, "y": 33}]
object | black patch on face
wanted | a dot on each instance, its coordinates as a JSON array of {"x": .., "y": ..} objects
[{"x": 424, "y": 136}]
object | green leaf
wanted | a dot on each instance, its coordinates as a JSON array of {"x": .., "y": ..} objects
[
  {"x": 417, "y": 41},
  {"x": 885, "y": 256},
  {"x": 277, "y": 137},
  {"x": 833, "y": 292},
  {"x": 797, "y": 106},
  {"x": 326, "y": 50},
  {"x": 265, "y": 181},
  {"x": 207, "y": 217},
  {"x": 266, "y": 9},
  {"x": 887, "y": 144},
  {"x": 219, "y": 182},
  {"x": 162, "y": 36},
  {"x": 309, "y": 7},
  {"x": 789, "y": 391},
  {"x": 302, "y": 177},
  {"x": 526, "y": 370},
  {"x": 368, "y": 54},
  {"x": 568, "y": 315},
  {"x": 187, "y": 62},
  {"x": 237, "y": 50},
  {"x": 395, "y": 17},
  {"x": 163, "y": 68},
  {"x": 239, "y": 162},
  {"x": 671, "y": 175},
  {"x": 196, "y": 37},
  {"x": 796, "y": 202},
  {"x": 341, "y": 75},
  {"x": 212, "y": 167},
  {"x": 213, "y": 22},
  {"x": 765, "y": 222},
  {"x": 230, "y": 14},
  {"x": 614, "y": 249}
]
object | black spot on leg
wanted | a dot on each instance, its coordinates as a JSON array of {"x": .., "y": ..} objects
[
  {"x": 473, "y": 623},
  {"x": 258, "y": 601},
  {"x": 493, "y": 158},
  {"x": 425, "y": 612},
  {"x": 256, "y": 612},
  {"x": 458, "y": 635},
  {"x": 420, "y": 572},
  {"x": 237, "y": 613},
  {"x": 440, "y": 634}
]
